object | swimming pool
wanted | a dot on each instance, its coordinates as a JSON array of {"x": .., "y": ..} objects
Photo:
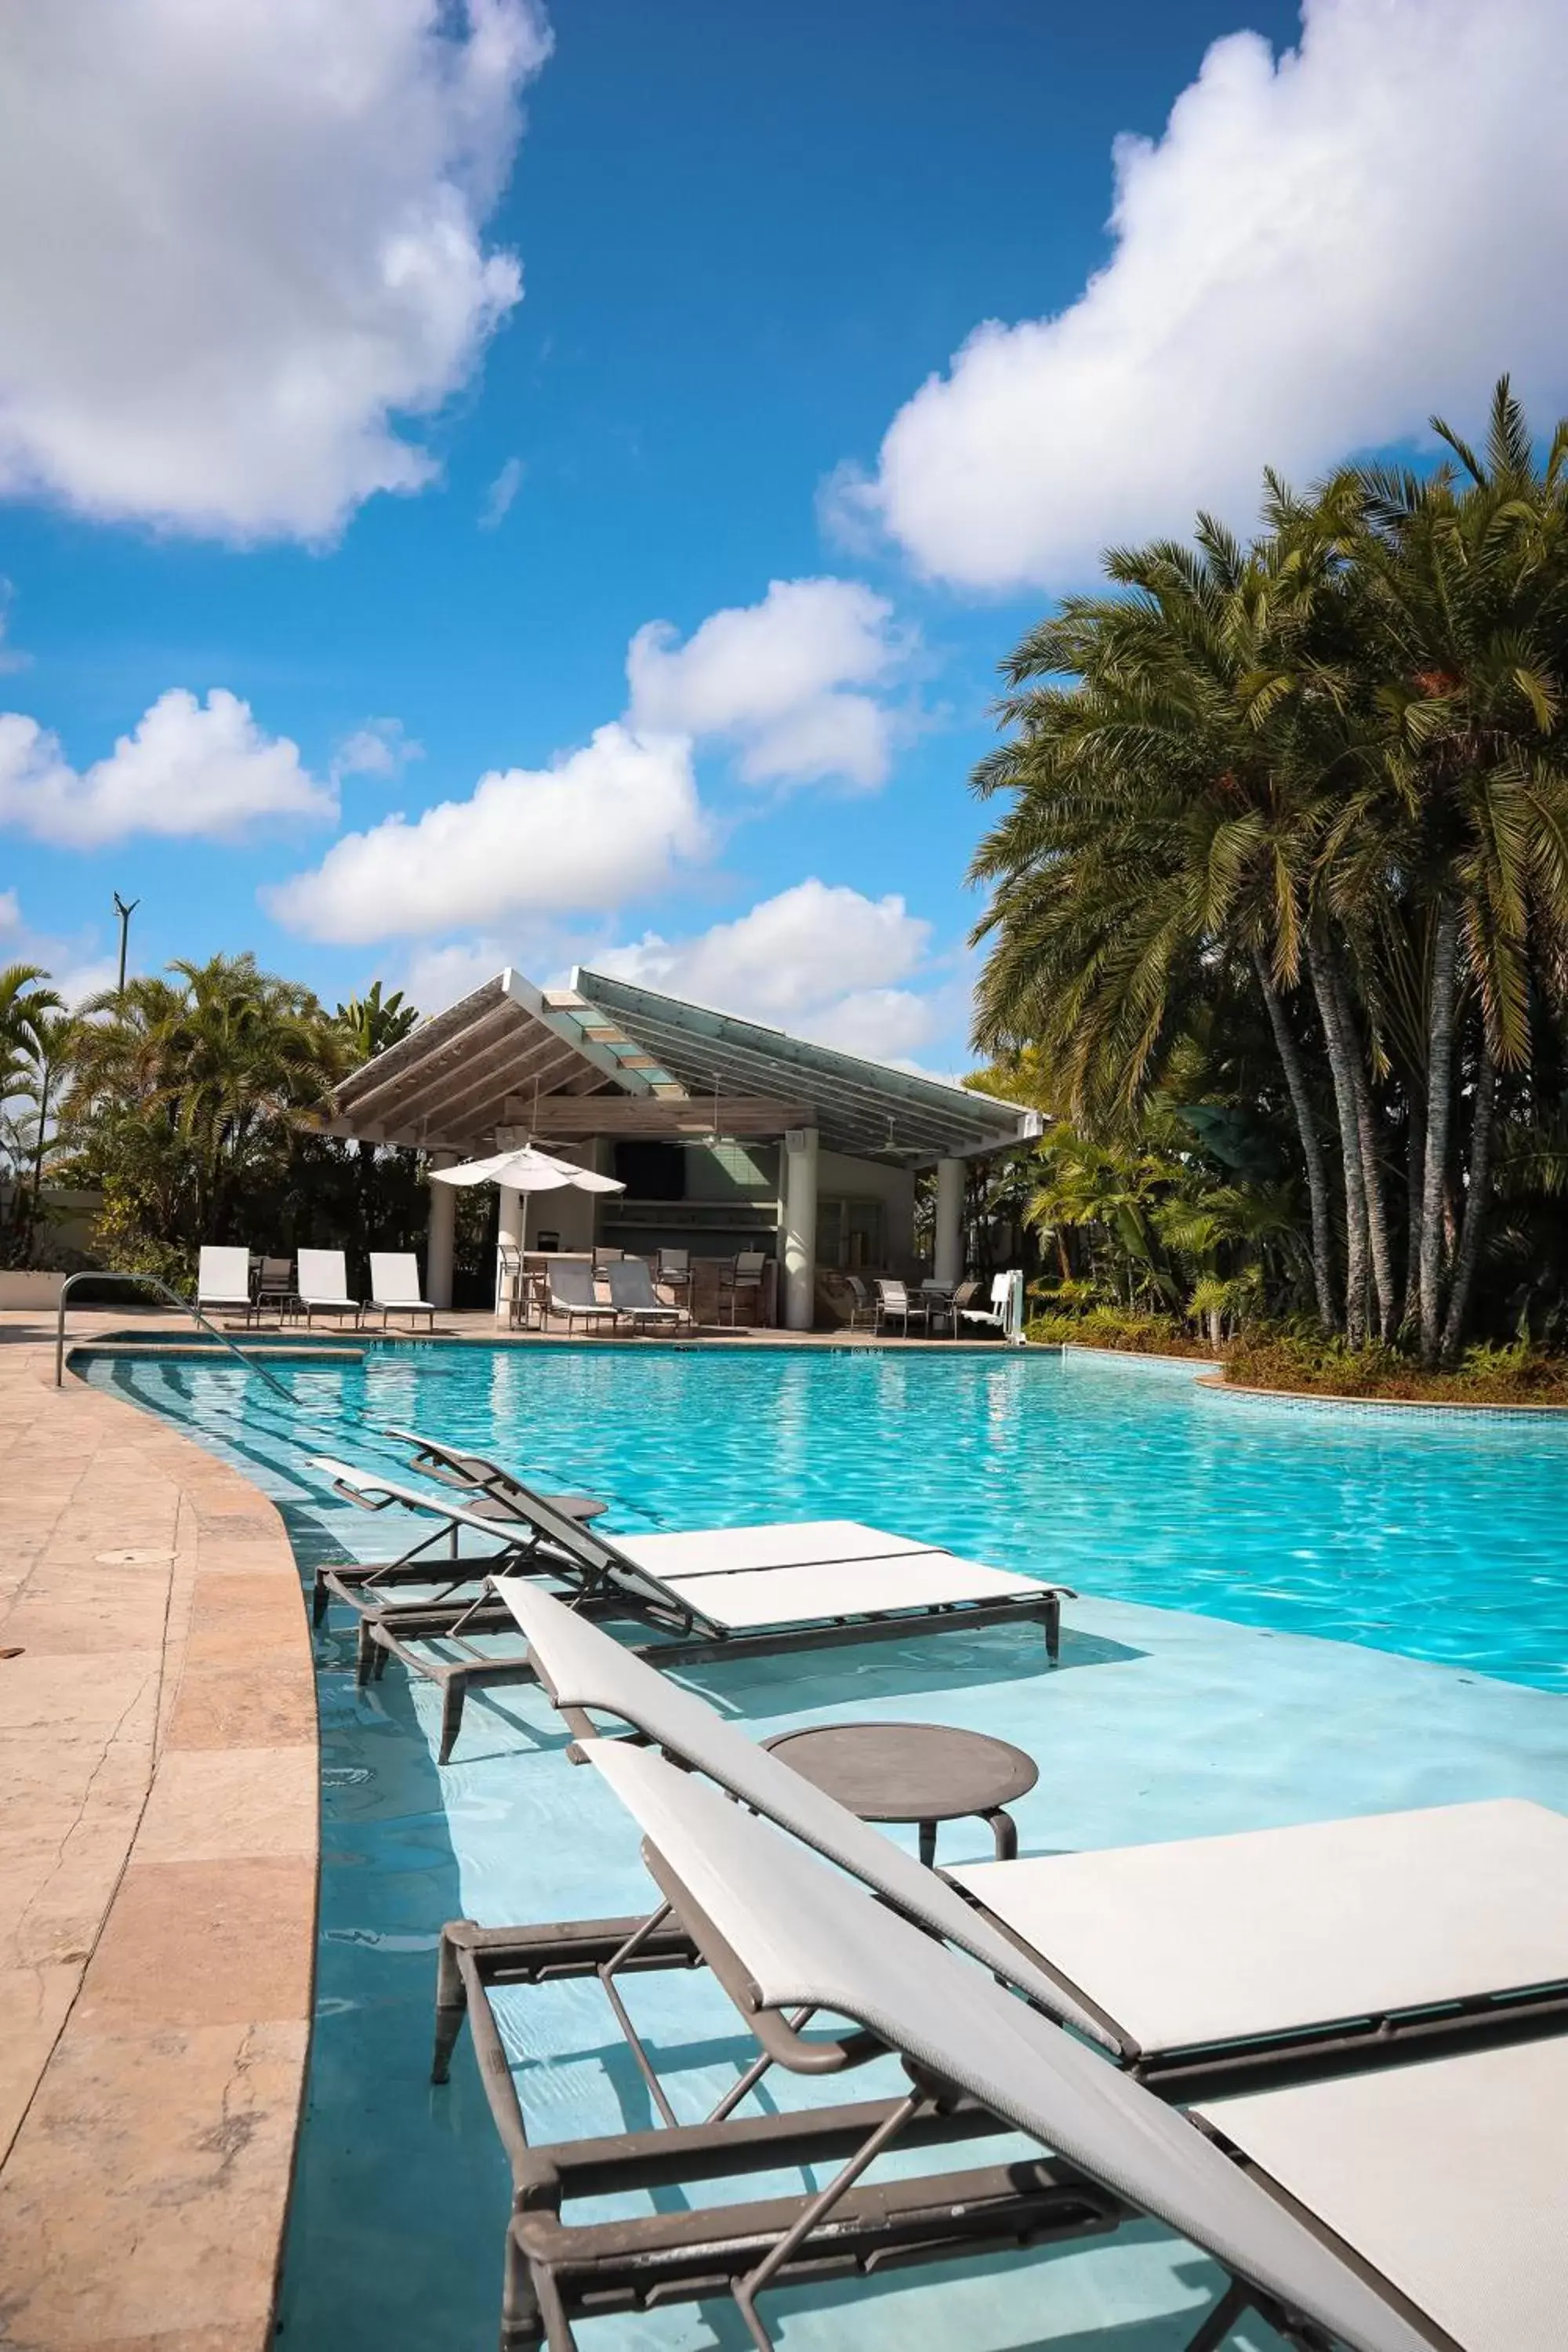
[
  {"x": 1432, "y": 1535},
  {"x": 1436, "y": 1534}
]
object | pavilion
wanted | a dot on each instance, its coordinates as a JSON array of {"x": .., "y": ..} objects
[{"x": 727, "y": 1135}]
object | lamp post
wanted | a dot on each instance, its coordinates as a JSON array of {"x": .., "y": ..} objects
[{"x": 124, "y": 913}]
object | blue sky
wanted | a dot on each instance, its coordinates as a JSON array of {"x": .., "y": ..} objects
[{"x": 276, "y": 268}]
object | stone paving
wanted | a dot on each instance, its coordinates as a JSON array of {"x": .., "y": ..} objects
[{"x": 158, "y": 1846}]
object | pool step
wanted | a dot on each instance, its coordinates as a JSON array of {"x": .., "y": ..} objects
[{"x": 204, "y": 1350}]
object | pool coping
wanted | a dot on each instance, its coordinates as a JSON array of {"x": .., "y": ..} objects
[{"x": 158, "y": 1887}]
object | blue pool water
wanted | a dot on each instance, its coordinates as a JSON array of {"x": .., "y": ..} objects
[
  {"x": 1247, "y": 1526},
  {"x": 1438, "y": 1534}
]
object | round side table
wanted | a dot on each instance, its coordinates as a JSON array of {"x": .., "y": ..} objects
[{"x": 920, "y": 1773}]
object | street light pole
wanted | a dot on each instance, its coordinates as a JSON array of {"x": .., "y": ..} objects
[{"x": 124, "y": 913}]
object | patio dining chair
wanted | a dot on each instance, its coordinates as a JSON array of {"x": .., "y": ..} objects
[
  {"x": 862, "y": 1307},
  {"x": 893, "y": 1299},
  {"x": 745, "y": 1273},
  {"x": 674, "y": 1270}
]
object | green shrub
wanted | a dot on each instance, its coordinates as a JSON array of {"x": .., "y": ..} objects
[{"x": 1110, "y": 1327}]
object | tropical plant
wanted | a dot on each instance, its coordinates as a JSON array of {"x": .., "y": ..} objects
[{"x": 1317, "y": 783}]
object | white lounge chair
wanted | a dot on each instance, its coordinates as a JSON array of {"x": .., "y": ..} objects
[
  {"x": 631, "y": 1294},
  {"x": 223, "y": 1280},
  {"x": 322, "y": 1278},
  {"x": 721, "y": 1591},
  {"x": 789, "y": 1939},
  {"x": 570, "y": 1290},
  {"x": 394, "y": 1286},
  {"x": 1396, "y": 1918}
]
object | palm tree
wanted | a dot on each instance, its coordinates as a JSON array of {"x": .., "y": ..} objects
[
  {"x": 188, "y": 1088},
  {"x": 1166, "y": 814},
  {"x": 30, "y": 1009},
  {"x": 1466, "y": 582}
]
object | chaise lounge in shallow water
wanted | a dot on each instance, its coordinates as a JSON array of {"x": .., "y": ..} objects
[
  {"x": 718, "y": 1591},
  {"x": 1372, "y": 2011},
  {"x": 494, "y": 1508},
  {"x": 1407, "y": 2207}
]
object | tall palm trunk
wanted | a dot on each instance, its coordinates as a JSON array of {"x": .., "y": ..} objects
[
  {"x": 1370, "y": 1159},
  {"x": 1311, "y": 1143},
  {"x": 1414, "y": 1178},
  {"x": 1468, "y": 1252},
  {"x": 1439, "y": 1105},
  {"x": 1349, "y": 1144}
]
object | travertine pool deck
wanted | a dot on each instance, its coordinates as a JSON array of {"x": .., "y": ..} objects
[{"x": 158, "y": 1850}]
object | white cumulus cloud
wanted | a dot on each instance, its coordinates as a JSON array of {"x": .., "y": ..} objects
[
  {"x": 790, "y": 683},
  {"x": 604, "y": 824},
  {"x": 821, "y": 960},
  {"x": 1320, "y": 250},
  {"x": 239, "y": 243},
  {"x": 187, "y": 769}
]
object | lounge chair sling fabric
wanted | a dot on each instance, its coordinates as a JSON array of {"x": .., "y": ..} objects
[
  {"x": 488, "y": 1485},
  {"x": 830, "y": 1589},
  {"x": 1220, "y": 1938},
  {"x": 584, "y": 1669},
  {"x": 395, "y": 1282},
  {"x": 572, "y": 1290},
  {"x": 806, "y": 1939},
  {"x": 323, "y": 1278},
  {"x": 1450, "y": 2176},
  {"x": 632, "y": 1292},
  {"x": 223, "y": 1277},
  {"x": 789, "y": 1543}
]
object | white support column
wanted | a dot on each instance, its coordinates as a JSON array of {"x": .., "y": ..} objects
[
  {"x": 949, "y": 1252},
  {"x": 509, "y": 1236},
  {"x": 798, "y": 1233},
  {"x": 439, "y": 1237}
]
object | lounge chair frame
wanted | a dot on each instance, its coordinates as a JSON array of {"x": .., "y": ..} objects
[
  {"x": 603, "y": 1581},
  {"x": 391, "y": 1307},
  {"x": 692, "y": 1636},
  {"x": 622, "y": 1274},
  {"x": 592, "y": 1313},
  {"x": 556, "y": 2272}
]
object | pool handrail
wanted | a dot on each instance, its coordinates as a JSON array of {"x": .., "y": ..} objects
[{"x": 186, "y": 1307}]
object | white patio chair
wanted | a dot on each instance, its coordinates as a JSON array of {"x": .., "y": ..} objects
[
  {"x": 223, "y": 1280},
  {"x": 324, "y": 1285},
  {"x": 394, "y": 1286}
]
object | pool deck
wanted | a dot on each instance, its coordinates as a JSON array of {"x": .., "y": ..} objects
[{"x": 157, "y": 1876}]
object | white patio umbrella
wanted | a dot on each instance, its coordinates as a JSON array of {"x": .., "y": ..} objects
[{"x": 526, "y": 1170}]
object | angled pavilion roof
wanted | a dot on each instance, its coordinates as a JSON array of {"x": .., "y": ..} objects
[{"x": 608, "y": 1056}]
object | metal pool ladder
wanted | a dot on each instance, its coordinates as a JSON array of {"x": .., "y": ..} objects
[{"x": 186, "y": 1307}]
